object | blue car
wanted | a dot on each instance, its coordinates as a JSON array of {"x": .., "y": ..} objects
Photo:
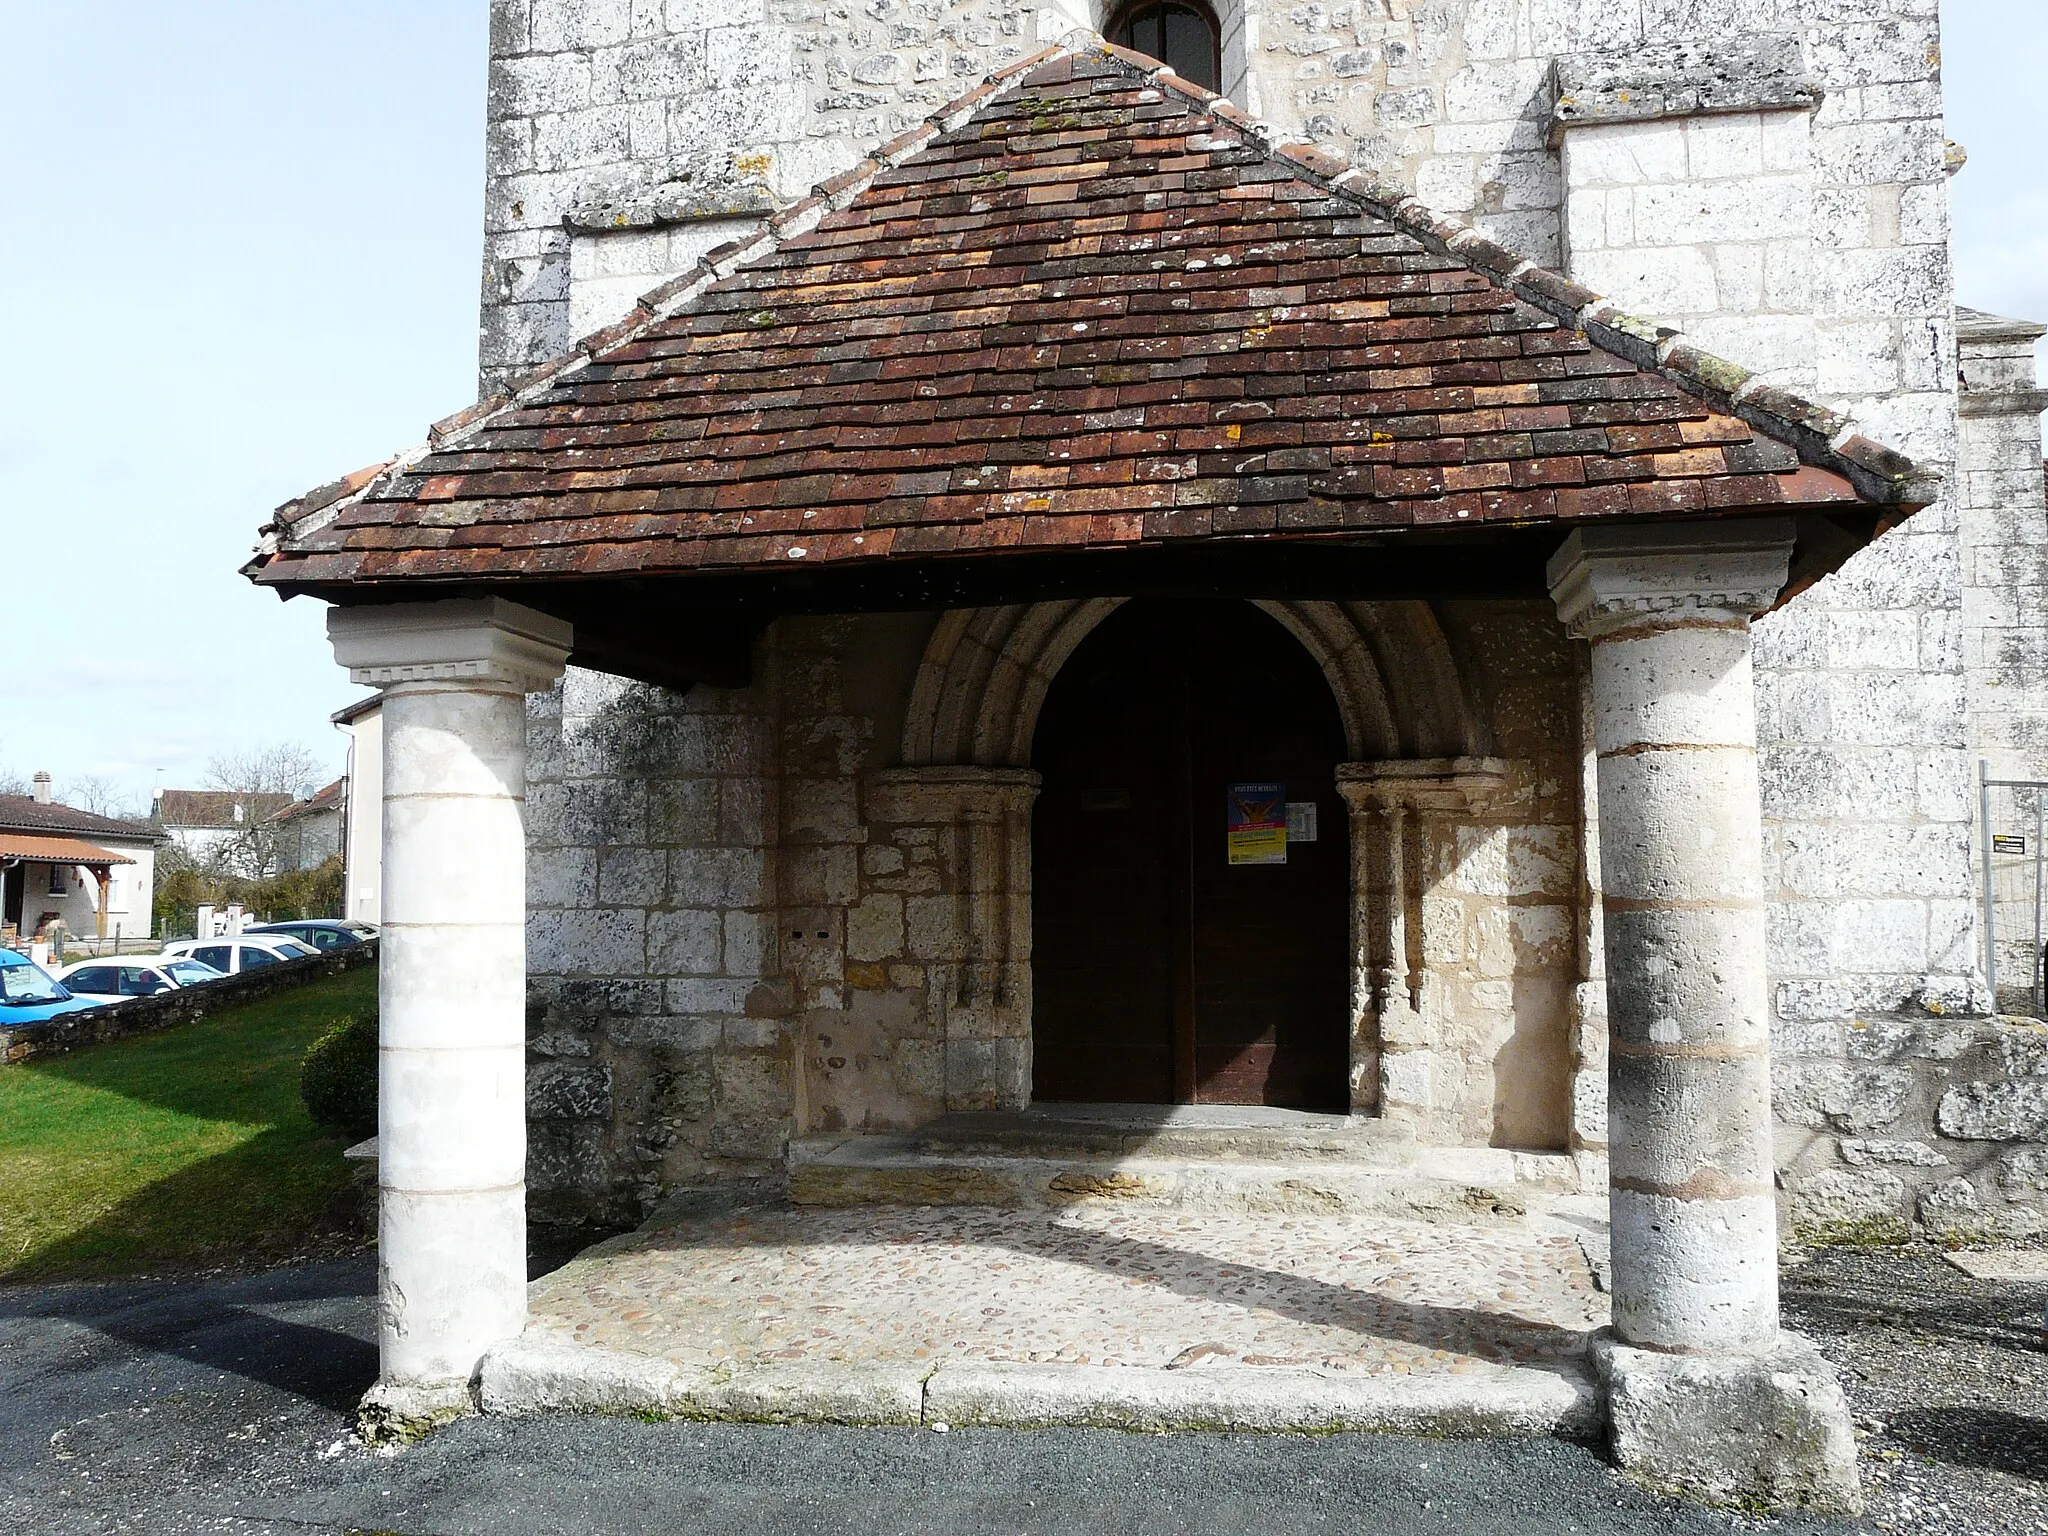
[{"x": 29, "y": 993}]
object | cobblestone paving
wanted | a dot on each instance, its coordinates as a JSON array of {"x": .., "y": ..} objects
[{"x": 1087, "y": 1287}]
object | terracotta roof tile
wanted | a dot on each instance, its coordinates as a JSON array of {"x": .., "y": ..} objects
[{"x": 1088, "y": 304}]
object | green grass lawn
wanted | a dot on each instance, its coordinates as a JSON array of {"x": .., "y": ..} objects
[{"x": 176, "y": 1149}]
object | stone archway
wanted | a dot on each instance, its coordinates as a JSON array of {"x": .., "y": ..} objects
[{"x": 1420, "y": 747}]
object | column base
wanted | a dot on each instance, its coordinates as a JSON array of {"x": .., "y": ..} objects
[
  {"x": 1748, "y": 1430},
  {"x": 391, "y": 1414}
]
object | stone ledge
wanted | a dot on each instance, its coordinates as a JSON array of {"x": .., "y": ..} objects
[
  {"x": 1761, "y": 73},
  {"x": 538, "y": 1373},
  {"x": 1732, "y": 1429}
]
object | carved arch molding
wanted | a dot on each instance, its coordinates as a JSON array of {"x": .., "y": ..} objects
[
  {"x": 966, "y": 752},
  {"x": 986, "y": 672}
]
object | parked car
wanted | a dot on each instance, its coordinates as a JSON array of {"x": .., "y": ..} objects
[
  {"x": 233, "y": 956},
  {"x": 322, "y": 933},
  {"x": 28, "y": 992},
  {"x": 114, "y": 977}
]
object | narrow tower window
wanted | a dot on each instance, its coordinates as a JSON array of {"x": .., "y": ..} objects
[{"x": 1175, "y": 33}]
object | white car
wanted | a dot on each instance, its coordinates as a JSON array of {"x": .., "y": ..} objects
[
  {"x": 113, "y": 977},
  {"x": 247, "y": 953}
]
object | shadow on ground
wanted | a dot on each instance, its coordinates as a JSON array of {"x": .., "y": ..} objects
[
  {"x": 1496, "y": 1335},
  {"x": 1987, "y": 1438}
]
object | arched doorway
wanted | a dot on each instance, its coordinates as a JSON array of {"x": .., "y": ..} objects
[{"x": 1174, "y": 960}]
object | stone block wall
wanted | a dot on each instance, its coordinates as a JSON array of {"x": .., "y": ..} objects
[
  {"x": 660, "y": 1053},
  {"x": 1501, "y": 891},
  {"x": 2004, "y": 538},
  {"x": 1704, "y": 222},
  {"x": 1896, "y": 1121}
]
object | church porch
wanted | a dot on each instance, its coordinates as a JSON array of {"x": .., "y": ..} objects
[{"x": 1436, "y": 423}]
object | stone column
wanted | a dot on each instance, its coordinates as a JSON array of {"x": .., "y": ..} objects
[
  {"x": 1701, "y": 1386},
  {"x": 452, "y": 983}
]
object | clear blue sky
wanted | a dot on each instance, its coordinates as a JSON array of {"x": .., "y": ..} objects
[{"x": 241, "y": 258}]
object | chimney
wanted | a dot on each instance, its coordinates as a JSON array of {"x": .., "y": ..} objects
[{"x": 42, "y": 789}]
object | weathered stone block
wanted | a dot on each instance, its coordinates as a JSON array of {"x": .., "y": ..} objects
[
  {"x": 1861, "y": 1152},
  {"x": 2023, "y": 1174},
  {"x": 2008, "y": 1111},
  {"x": 1833, "y": 1094},
  {"x": 1849, "y": 1204},
  {"x": 558, "y": 1090},
  {"x": 683, "y": 943},
  {"x": 1771, "y": 1429},
  {"x": 1952, "y": 1212}
]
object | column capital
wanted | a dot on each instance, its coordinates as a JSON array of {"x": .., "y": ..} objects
[
  {"x": 1605, "y": 578},
  {"x": 485, "y": 642},
  {"x": 1452, "y": 784}
]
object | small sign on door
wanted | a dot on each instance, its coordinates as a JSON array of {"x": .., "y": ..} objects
[
  {"x": 1255, "y": 824},
  {"x": 1301, "y": 821},
  {"x": 2008, "y": 842}
]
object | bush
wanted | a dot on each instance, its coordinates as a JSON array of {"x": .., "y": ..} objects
[{"x": 339, "y": 1078}]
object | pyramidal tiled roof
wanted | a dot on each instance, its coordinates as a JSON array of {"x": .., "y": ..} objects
[{"x": 1085, "y": 305}]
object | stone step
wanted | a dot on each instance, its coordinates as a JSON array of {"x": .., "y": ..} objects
[
  {"x": 541, "y": 1371},
  {"x": 1477, "y": 1185},
  {"x": 1207, "y": 1131}
]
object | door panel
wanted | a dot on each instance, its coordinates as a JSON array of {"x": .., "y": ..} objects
[{"x": 1161, "y": 971}]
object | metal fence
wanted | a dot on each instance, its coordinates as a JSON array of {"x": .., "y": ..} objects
[{"x": 2012, "y": 820}]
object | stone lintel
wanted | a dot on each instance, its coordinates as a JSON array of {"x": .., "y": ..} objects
[
  {"x": 1453, "y": 784},
  {"x": 1770, "y": 1428},
  {"x": 1762, "y": 72},
  {"x": 1605, "y": 578},
  {"x": 483, "y": 641},
  {"x": 946, "y": 793},
  {"x": 2001, "y": 402},
  {"x": 604, "y": 208},
  {"x": 1976, "y": 327}
]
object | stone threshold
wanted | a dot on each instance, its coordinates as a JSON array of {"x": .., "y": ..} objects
[
  {"x": 542, "y": 1372},
  {"x": 1193, "y": 1158}
]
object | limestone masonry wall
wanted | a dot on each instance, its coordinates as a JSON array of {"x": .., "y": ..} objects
[{"x": 1891, "y": 1120}]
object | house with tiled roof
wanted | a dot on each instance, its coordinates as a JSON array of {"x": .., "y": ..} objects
[
  {"x": 93, "y": 875},
  {"x": 1009, "y": 631},
  {"x": 202, "y": 822},
  {"x": 309, "y": 831}
]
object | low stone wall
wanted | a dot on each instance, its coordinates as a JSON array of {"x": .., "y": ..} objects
[
  {"x": 1895, "y": 1124},
  {"x": 144, "y": 1015}
]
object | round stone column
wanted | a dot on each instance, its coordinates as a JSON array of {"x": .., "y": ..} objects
[
  {"x": 1694, "y": 1218},
  {"x": 452, "y": 982}
]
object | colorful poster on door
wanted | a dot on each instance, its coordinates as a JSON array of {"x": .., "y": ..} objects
[{"x": 1255, "y": 824}]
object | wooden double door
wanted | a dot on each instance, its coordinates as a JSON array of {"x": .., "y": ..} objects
[{"x": 1174, "y": 958}]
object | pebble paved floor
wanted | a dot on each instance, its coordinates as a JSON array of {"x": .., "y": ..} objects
[{"x": 895, "y": 1285}]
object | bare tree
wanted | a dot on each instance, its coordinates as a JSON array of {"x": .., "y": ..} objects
[
  {"x": 284, "y": 769},
  {"x": 90, "y": 792},
  {"x": 13, "y": 781}
]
